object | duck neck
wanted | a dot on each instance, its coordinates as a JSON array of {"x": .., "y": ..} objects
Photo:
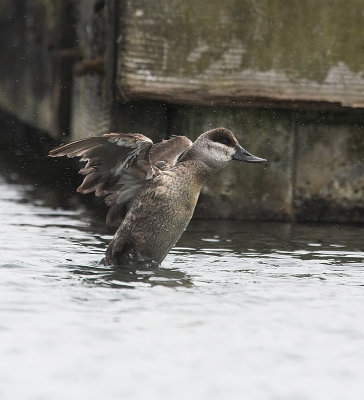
[
  {"x": 198, "y": 168},
  {"x": 202, "y": 165}
]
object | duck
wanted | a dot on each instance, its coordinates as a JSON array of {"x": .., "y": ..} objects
[{"x": 151, "y": 189}]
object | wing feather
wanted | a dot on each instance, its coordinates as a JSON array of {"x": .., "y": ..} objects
[{"x": 118, "y": 165}]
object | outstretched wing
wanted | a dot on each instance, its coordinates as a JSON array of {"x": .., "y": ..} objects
[{"x": 118, "y": 165}]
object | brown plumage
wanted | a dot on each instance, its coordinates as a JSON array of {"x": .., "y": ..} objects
[
  {"x": 151, "y": 189},
  {"x": 119, "y": 164}
]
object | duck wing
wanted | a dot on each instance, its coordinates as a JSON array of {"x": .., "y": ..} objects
[
  {"x": 119, "y": 165},
  {"x": 168, "y": 151}
]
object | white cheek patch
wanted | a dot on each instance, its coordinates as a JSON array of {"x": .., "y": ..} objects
[
  {"x": 221, "y": 152},
  {"x": 217, "y": 153}
]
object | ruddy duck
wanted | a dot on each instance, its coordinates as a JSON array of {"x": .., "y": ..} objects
[{"x": 151, "y": 189}]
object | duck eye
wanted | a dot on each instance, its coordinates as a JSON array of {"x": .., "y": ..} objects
[
  {"x": 223, "y": 140},
  {"x": 219, "y": 139}
]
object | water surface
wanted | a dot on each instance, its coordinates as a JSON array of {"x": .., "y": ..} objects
[{"x": 237, "y": 310}]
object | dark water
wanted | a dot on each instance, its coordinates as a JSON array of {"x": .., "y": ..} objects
[{"x": 236, "y": 311}]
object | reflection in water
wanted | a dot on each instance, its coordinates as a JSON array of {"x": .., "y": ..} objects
[
  {"x": 235, "y": 308},
  {"x": 130, "y": 276}
]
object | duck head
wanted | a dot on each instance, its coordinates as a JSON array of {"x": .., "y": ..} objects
[{"x": 218, "y": 147}]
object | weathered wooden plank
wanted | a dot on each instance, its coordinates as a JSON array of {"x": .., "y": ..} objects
[
  {"x": 243, "y": 52},
  {"x": 92, "y": 96},
  {"x": 96, "y": 109}
]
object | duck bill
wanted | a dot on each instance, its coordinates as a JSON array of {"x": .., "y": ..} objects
[{"x": 243, "y": 155}]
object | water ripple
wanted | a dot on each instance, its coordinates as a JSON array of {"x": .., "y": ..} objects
[{"x": 253, "y": 310}]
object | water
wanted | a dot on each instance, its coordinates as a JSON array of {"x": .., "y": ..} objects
[{"x": 237, "y": 310}]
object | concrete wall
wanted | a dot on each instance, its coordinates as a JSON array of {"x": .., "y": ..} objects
[
  {"x": 37, "y": 41},
  {"x": 89, "y": 67}
]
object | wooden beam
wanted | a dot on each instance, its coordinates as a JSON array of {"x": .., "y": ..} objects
[{"x": 243, "y": 52}]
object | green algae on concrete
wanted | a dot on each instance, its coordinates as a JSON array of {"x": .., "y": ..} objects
[
  {"x": 329, "y": 179},
  {"x": 245, "y": 191},
  {"x": 314, "y": 172},
  {"x": 203, "y": 51}
]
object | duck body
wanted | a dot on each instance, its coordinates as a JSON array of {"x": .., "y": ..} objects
[
  {"x": 158, "y": 216},
  {"x": 160, "y": 202}
]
